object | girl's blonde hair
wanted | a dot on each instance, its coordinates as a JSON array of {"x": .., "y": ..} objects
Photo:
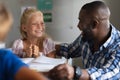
[{"x": 28, "y": 12}]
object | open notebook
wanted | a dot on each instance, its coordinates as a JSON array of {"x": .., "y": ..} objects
[{"x": 43, "y": 63}]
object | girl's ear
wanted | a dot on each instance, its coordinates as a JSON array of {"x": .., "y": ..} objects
[{"x": 24, "y": 28}]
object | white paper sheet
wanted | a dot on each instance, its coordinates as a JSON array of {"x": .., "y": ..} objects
[
  {"x": 41, "y": 67},
  {"x": 43, "y": 63},
  {"x": 47, "y": 60},
  {"x": 27, "y": 60}
]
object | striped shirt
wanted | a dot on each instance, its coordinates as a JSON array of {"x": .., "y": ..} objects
[{"x": 103, "y": 64}]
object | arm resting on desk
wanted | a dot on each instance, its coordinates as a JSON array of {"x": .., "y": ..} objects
[{"x": 26, "y": 74}]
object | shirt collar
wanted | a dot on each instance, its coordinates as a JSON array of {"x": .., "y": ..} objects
[{"x": 110, "y": 40}]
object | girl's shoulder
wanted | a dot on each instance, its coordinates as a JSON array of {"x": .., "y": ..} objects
[
  {"x": 48, "y": 45},
  {"x": 18, "y": 42},
  {"x": 48, "y": 40}
]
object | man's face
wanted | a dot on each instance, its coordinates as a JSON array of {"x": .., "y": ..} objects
[{"x": 85, "y": 25}]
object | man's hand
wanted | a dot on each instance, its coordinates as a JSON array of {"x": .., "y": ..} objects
[{"x": 62, "y": 72}]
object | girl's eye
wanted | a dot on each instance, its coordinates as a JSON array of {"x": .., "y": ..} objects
[
  {"x": 34, "y": 24},
  {"x": 42, "y": 24}
]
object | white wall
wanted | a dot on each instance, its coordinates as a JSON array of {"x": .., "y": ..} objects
[
  {"x": 114, "y": 6},
  {"x": 62, "y": 28}
]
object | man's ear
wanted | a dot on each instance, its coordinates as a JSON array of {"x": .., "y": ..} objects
[{"x": 94, "y": 24}]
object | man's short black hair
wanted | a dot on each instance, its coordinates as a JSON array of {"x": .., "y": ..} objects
[{"x": 92, "y": 6}]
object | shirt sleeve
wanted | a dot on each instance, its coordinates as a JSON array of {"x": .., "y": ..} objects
[
  {"x": 17, "y": 47},
  {"x": 49, "y": 46},
  {"x": 11, "y": 63},
  {"x": 109, "y": 71},
  {"x": 71, "y": 50}
]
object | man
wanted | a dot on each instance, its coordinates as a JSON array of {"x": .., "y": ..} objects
[
  {"x": 11, "y": 67},
  {"x": 98, "y": 45}
]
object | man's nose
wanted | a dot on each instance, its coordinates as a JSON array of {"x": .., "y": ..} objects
[{"x": 79, "y": 26}]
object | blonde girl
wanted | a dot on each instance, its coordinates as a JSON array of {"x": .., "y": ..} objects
[{"x": 34, "y": 41}]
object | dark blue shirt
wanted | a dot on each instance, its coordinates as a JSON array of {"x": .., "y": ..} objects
[{"x": 9, "y": 65}]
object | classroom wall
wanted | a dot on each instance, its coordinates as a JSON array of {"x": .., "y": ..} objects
[{"x": 114, "y": 6}]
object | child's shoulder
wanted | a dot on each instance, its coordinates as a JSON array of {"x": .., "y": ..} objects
[
  {"x": 48, "y": 40},
  {"x": 4, "y": 52},
  {"x": 18, "y": 42}
]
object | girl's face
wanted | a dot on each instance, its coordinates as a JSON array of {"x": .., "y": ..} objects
[{"x": 35, "y": 26}]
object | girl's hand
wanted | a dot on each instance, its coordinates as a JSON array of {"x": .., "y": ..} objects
[
  {"x": 29, "y": 51},
  {"x": 35, "y": 52},
  {"x": 32, "y": 51}
]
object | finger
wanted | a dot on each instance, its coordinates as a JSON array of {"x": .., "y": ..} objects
[
  {"x": 31, "y": 45},
  {"x": 30, "y": 52},
  {"x": 61, "y": 66},
  {"x": 30, "y": 48},
  {"x": 36, "y": 49}
]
